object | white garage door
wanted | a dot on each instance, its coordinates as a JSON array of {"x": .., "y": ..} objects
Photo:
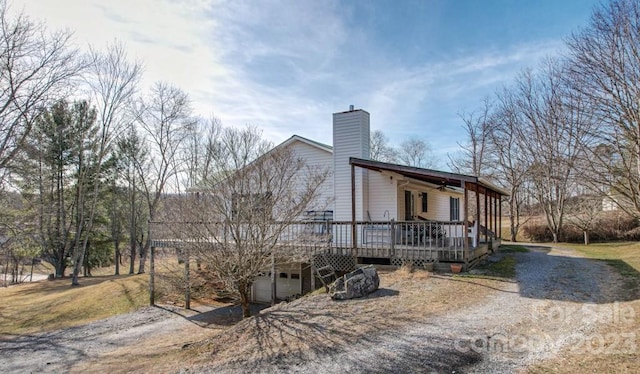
[
  {"x": 288, "y": 283},
  {"x": 262, "y": 289}
]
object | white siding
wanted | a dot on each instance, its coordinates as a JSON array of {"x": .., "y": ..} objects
[
  {"x": 316, "y": 157},
  {"x": 383, "y": 198},
  {"x": 350, "y": 139},
  {"x": 439, "y": 200},
  {"x": 438, "y": 208}
]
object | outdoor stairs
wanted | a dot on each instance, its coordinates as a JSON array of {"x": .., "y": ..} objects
[{"x": 324, "y": 270}]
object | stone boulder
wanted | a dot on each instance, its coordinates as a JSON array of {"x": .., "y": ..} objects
[{"x": 358, "y": 283}]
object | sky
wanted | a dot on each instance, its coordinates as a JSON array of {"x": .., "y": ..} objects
[{"x": 286, "y": 66}]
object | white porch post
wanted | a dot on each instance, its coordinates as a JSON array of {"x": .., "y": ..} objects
[
  {"x": 465, "y": 235},
  {"x": 477, "y": 217}
]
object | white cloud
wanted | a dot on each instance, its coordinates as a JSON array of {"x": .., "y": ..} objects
[{"x": 285, "y": 67}]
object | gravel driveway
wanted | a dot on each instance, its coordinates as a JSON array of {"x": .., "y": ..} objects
[
  {"x": 59, "y": 351},
  {"x": 558, "y": 302}
]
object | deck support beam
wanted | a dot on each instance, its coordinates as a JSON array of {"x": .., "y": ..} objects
[
  {"x": 477, "y": 217},
  {"x": 152, "y": 275},
  {"x": 354, "y": 242},
  {"x": 465, "y": 244}
]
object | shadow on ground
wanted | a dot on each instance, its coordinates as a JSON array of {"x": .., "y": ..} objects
[{"x": 301, "y": 337}]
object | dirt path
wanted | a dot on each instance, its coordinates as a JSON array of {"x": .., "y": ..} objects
[
  {"x": 558, "y": 301},
  {"x": 148, "y": 329}
]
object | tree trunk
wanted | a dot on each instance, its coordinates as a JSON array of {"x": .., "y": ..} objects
[
  {"x": 74, "y": 279},
  {"x": 132, "y": 230},
  {"x": 586, "y": 237},
  {"x": 76, "y": 270},
  {"x": 60, "y": 268},
  {"x": 143, "y": 257},
  {"x": 132, "y": 257},
  {"x": 117, "y": 257},
  {"x": 244, "y": 302}
]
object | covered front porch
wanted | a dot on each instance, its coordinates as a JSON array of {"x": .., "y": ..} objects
[
  {"x": 435, "y": 216},
  {"x": 398, "y": 243}
]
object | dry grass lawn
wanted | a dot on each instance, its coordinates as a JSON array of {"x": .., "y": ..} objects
[
  {"x": 311, "y": 326},
  {"x": 315, "y": 325},
  {"x": 50, "y": 305}
]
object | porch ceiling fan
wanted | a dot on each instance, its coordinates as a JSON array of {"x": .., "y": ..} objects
[{"x": 443, "y": 187}]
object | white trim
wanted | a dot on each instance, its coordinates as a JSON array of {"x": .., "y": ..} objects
[{"x": 301, "y": 139}]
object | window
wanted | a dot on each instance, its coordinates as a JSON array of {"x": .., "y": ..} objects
[
  {"x": 408, "y": 205},
  {"x": 252, "y": 206},
  {"x": 284, "y": 275},
  {"x": 425, "y": 206},
  {"x": 454, "y": 208}
]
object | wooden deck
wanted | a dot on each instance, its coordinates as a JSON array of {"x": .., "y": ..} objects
[{"x": 418, "y": 242}]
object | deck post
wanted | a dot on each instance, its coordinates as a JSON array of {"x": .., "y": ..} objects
[
  {"x": 465, "y": 234},
  {"x": 393, "y": 238},
  {"x": 354, "y": 242},
  {"x": 500, "y": 215},
  {"x": 313, "y": 276},
  {"x": 187, "y": 279},
  {"x": 491, "y": 214},
  {"x": 273, "y": 279},
  {"x": 152, "y": 273},
  {"x": 486, "y": 218},
  {"x": 477, "y": 217}
]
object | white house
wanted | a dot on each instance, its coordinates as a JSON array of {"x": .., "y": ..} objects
[{"x": 387, "y": 213}]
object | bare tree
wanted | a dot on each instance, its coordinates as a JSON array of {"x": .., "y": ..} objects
[
  {"x": 201, "y": 146},
  {"x": 417, "y": 153},
  {"x": 113, "y": 81},
  {"x": 239, "y": 223},
  {"x": 508, "y": 162},
  {"x": 479, "y": 127},
  {"x": 165, "y": 119},
  {"x": 605, "y": 70},
  {"x": 556, "y": 126},
  {"x": 583, "y": 213},
  {"x": 35, "y": 68},
  {"x": 132, "y": 153},
  {"x": 380, "y": 148}
]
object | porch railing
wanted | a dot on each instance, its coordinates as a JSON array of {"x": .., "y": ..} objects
[
  {"x": 423, "y": 240},
  {"x": 389, "y": 239}
]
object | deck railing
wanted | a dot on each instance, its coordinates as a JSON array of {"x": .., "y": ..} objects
[
  {"x": 423, "y": 240},
  {"x": 390, "y": 239}
]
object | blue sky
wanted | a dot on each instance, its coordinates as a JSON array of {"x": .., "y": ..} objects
[{"x": 286, "y": 66}]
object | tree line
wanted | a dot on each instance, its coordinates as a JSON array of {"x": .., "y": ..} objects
[
  {"x": 566, "y": 134},
  {"x": 87, "y": 156},
  {"x": 85, "y": 153}
]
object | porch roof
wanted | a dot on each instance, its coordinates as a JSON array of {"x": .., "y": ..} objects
[{"x": 436, "y": 177}]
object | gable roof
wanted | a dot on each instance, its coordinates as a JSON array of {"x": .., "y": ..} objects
[
  {"x": 313, "y": 143},
  {"x": 426, "y": 175}
]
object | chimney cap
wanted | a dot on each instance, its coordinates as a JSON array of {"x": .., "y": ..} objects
[{"x": 351, "y": 108}]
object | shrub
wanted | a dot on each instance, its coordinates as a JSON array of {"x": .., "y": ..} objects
[
  {"x": 537, "y": 233},
  {"x": 610, "y": 226}
]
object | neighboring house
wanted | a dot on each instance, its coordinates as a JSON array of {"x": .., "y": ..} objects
[{"x": 386, "y": 213}]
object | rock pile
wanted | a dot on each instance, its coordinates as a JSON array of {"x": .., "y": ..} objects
[{"x": 358, "y": 283}]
